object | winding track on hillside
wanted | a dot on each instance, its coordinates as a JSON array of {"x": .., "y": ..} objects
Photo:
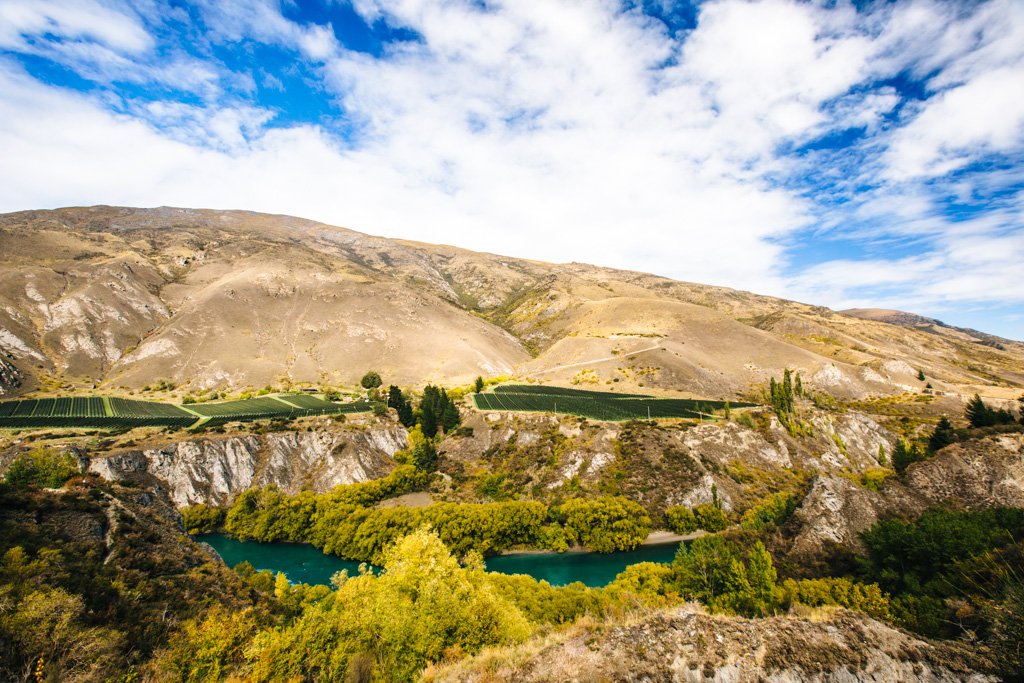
[{"x": 656, "y": 345}]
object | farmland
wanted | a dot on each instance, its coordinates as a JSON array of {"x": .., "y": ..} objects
[
  {"x": 122, "y": 413},
  {"x": 598, "y": 405}
]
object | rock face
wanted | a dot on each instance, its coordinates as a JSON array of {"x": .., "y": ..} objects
[
  {"x": 214, "y": 471},
  {"x": 10, "y": 377},
  {"x": 836, "y": 510},
  {"x": 686, "y": 646},
  {"x": 664, "y": 465},
  {"x": 975, "y": 474}
]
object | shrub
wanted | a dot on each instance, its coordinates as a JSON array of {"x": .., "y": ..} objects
[
  {"x": 41, "y": 468},
  {"x": 605, "y": 524},
  {"x": 710, "y": 518},
  {"x": 202, "y": 519},
  {"x": 867, "y": 598},
  {"x": 681, "y": 519}
]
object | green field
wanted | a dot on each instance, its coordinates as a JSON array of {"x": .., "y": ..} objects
[
  {"x": 122, "y": 413},
  {"x": 597, "y": 405}
]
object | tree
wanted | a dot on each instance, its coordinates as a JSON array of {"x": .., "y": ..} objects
[
  {"x": 703, "y": 568},
  {"x": 798, "y": 386},
  {"x": 423, "y": 454},
  {"x": 429, "y": 414},
  {"x": 402, "y": 406},
  {"x": 450, "y": 419},
  {"x": 904, "y": 454},
  {"x": 681, "y": 519},
  {"x": 787, "y": 390},
  {"x": 371, "y": 380},
  {"x": 762, "y": 576},
  {"x": 41, "y": 468},
  {"x": 942, "y": 436},
  {"x": 710, "y": 517},
  {"x": 980, "y": 415},
  {"x": 883, "y": 459},
  {"x": 920, "y": 375},
  {"x": 977, "y": 413},
  {"x": 478, "y": 385},
  {"x": 604, "y": 524}
]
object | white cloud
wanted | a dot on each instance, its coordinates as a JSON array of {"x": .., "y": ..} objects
[
  {"x": 962, "y": 124},
  {"x": 566, "y": 131},
  {"x": 261, "y": 20},
  {"x": 74, "y": 20}
]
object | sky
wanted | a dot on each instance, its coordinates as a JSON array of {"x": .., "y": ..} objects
[{"x": 848, "y": 154}]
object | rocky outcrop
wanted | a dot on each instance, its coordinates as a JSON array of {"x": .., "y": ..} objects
[
  {"x": 662, "y": 465},
  {"x": 214, "y": 471},
  {"x": 835, "y": 511},
  {"x": 10, "y": 377},
  {"x": 685, "y": 645},
  {"x": 974, "y": 474}
]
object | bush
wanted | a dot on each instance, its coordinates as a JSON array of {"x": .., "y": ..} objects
[
  {"x": 772, "y": 511},
  {"x": 604, "y": 524},
  {"x": 710, "y": 518},
  {"x": 202, "y": 519},
  {"x": 840, "y": 592},
  {"x": 41, "y": 468},
  {"x": 371, "y": 380},
  {"x": 681, "y": 519}
]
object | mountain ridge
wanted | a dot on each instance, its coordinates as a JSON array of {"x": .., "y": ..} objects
[{"x": 123, "y": 297}]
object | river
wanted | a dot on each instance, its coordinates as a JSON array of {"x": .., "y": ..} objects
[{"x": 303, "y": 563}]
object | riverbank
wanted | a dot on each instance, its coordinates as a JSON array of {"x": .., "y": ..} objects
[{"x": 659, "y": 537}]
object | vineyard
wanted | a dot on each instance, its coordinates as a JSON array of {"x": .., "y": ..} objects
[
  {"x": 122, "y": 413},
  {"x": 598, "y": 405},
  {"x": 118, "y": 413}
]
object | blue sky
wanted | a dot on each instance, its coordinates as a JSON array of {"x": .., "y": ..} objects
[{"x": 845, "y": 154}]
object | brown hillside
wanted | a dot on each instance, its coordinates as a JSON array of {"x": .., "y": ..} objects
[{"x": 226, "y": 299}]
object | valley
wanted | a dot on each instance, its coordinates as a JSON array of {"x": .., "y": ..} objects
[{"x": 500, "y": 440}]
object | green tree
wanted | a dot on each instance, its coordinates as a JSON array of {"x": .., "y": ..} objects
[
  {"x": 432, "y": 406},
  {"x": 478, "y": 385},
  {"x": 604, "y": 524},
  {"x": 904, "y": 454},
  {"x": 710, "y": 517},
  {"x": 977, "y": 413},
  {"x": 423, "y": 454},
  {"x": 41, "y": 468},
  {"x": 422, "y": 606},
  {"x": 450, "y": 418},
  {"x": 704, "y": 568},
  {"x": 681, "y": 519},
  {"x": 980, "y": 415},
  {"x": 942, "y": 436},
  {"x": 920, "y": 375},
  {"x": 402, "y": 406},
  {"x": 371, "y": 380},
  {"x": 762, "y": 577}
]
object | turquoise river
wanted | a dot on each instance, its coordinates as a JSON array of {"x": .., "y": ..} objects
[{"x": 303, "y": 563}]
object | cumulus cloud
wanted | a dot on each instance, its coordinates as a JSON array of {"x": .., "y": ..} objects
[{"x": 563, "y": 131}]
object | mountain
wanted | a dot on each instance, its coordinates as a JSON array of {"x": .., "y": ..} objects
[
  {"x": 123, "y": 297},
  {"x": 920, "y": 322}
]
